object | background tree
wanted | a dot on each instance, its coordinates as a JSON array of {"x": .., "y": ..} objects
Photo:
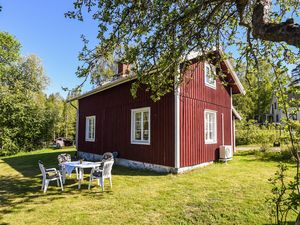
[
  {"x": 22, "y": 102},
  {"x": 10, "y": 49},
  {"x": 60, "y": 118},
  {"x": 260, "y": 89},
  {"x": 28, "y": 118}
]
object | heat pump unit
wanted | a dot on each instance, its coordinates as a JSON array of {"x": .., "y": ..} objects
[{"x": 226, "y": 152}]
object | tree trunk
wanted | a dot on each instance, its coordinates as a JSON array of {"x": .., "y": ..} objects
[{"x": 262, "y": 28}]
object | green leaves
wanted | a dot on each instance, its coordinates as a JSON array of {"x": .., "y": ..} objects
[
  {"x": 161, "y": 34},
  {"x": 27, "y": 117}
]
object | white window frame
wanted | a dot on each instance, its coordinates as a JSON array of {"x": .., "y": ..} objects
[
  {"x": 206, "y": 81},
  {"x": 87, "y": 128},
  {"x": 215, "y": 139},
  {"x": 142, "y": 141}
]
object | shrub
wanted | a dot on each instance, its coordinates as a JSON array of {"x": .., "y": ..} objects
[
  {"x": 280, "y": 156},
  {"x": 251, "y": 133}
]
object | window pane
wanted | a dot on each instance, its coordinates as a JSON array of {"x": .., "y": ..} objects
[
  {"x": 138, "y": 125},
  {"x": 210, "y": 126},
  {"x": 145, "y": 121},
  {"x": 146, "y": 135},
  {"x": 207, "y": 71},
  {"x": 138, "y": 135},
  {"x": 138, "y": 116},
  {"x": 209, "y": 75},
  {"x": 90, "y": 128}
]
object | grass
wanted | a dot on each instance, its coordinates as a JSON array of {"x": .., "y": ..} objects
[{"x": 232, "y": 193}]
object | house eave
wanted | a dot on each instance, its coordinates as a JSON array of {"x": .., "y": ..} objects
[
  {"x": 237, "y": 81},
  {"x": 104, "y": 87}
]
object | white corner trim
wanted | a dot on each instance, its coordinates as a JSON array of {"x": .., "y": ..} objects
[
  {"x": 77, "y": 126},
  {"x": 177, "y": 129},
  {"x": 231, "y": 111},
  {"x": 177, "y": 126}
]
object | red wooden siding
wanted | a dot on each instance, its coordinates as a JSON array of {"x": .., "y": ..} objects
[
  {"x": 112, "y": 109},
  {"x": 195, "y": 97}
]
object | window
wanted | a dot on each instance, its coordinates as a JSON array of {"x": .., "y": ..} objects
[
  {"x": 210, "y": 73},
  {"x": 140, "y": 126},
  {"x": 90, "y": 122},
  {"x": 210, "y": 126},
  {"x": 295, "y": 117}
]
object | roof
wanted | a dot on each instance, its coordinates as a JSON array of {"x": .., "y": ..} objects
[
  {"x": 227, "y": 68},
  {"x": 106, "y": 86},
  {"x": 237, "y": 83},
  {"x": 236, "y": 114}
]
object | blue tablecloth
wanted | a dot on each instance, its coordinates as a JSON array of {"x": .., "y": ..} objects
[{"x": 70, "y": 166}]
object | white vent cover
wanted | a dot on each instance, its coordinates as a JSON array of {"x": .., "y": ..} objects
[{"x": 226, "y": 152}]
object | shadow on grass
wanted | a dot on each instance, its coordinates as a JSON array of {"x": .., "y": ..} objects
[
  {"x": 16, "y": 190},
  {"x": 27, "y": 165}
]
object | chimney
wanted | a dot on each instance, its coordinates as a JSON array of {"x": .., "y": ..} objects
[{"x": 123, "y": 69}]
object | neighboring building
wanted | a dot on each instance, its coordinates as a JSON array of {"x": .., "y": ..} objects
[
  {"x": 276, "y": 114},
  {"x": 182, "y": 131}
]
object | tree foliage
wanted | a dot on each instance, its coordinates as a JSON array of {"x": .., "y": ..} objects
[
  {"x": 28, "y": 118},
  {"x": 10, "y": 49},
  {"x": 22, "y": 102},
  {"x": 260, "y": 90},
  {"x": 158, "y": 36}
]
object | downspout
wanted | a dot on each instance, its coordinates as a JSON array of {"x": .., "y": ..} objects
[
  {"x": 222, "y": 128},
  {"x": 233, "y": 135},
  {"x": 231, "y": 131}
]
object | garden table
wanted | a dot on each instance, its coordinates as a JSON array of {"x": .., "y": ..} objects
[{"x": 70, "y": 166}]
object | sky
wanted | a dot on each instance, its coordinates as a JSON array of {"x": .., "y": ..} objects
[{"x": 42, "y": 29}]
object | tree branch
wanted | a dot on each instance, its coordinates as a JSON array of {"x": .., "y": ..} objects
[{"x": 262, "y": 28}]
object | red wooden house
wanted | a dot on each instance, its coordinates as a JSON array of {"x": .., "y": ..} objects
[{"x": 183, "y": 130}]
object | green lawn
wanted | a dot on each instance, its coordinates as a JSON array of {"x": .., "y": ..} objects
[{"x": 218, "y": 194}]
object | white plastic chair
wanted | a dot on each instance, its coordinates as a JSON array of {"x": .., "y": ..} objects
[
  {"x": 101, "y": 173},
  {"x": 62, "y": 158},
  {"x": 47, "y": 178}
]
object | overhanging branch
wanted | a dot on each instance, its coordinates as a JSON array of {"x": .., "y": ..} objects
[{"x": 262, "y": 28}]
